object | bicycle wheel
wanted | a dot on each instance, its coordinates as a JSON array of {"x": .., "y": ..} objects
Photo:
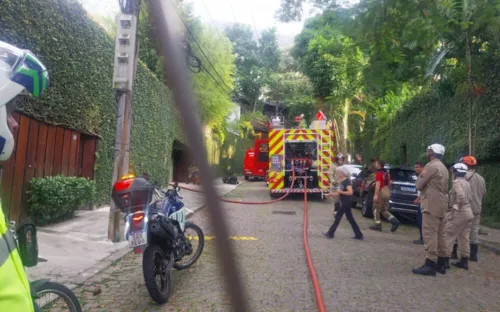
[{"x": 56, "y": 297}]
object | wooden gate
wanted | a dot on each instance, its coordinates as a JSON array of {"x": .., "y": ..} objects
[{"x": 42, "y": 150}]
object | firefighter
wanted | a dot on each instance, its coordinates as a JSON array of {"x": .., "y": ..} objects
[
  {"x": 381, "y": 198},
  {"x": 458, "y": 220},
  {"x": 478, "y": 188},
  {"x": 433, "y": 186},
  {"x": 20, "y": 73},
  {"x": 334, "y": 180}
]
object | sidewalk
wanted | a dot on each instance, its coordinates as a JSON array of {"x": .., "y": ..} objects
[
  {"x": 78, "y": 248},
  {"x": 490, "y": 241}
]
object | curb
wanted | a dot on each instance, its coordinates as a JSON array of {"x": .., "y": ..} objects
[
  {"x": 491, "y": 246},
  {"x": 81, "y": 278}
]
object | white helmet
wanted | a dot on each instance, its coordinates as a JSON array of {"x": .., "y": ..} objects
[
  {"x": 20, "y": 72},
  {"x": 460, "y": 168},
  {"x": 437, "y": 148}
]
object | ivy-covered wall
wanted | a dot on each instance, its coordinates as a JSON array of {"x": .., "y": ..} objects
[
  {"x": 233, "y": 154},
  {"x": 79, "y": 56},
  {"x": 431, "y": 118}
]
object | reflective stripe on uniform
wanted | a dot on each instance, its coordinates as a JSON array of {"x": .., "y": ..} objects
[{"x": 7, "y": 245}]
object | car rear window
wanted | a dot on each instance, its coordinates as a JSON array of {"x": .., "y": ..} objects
[{"x": 403, "y": 175}]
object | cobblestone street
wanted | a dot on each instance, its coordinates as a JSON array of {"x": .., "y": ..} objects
[{"x": 371, "y": 275}]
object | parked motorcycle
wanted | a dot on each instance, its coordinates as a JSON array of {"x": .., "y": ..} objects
[
  {"x": 158, "y": 229},
  {"x": 47, "y": 295}
]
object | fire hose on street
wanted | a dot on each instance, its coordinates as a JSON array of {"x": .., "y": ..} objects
[
  {"x": 312, "y": 271},
  {"x": 177, "y": 78}
]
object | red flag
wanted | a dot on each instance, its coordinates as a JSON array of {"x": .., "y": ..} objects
[{"x": 320, "y": 116}]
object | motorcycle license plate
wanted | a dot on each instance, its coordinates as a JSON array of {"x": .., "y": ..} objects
[{"x": 136, "y": 239}]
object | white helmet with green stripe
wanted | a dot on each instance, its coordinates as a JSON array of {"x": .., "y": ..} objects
[{"x": 21, "y": 73}]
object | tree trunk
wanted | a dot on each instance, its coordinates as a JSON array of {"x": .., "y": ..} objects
[
  {"x": 345, "y": 121},
  {"x": 254, "y": 105},
  {"x": 469, "y": 89},
  {"x": 337, "y": 136}
]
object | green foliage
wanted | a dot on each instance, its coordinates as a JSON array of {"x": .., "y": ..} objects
[
  {"x": 79, "y": 56},
  {"x": 255, "y": 62},
  {"x": 295, "y": 91},
  {"x": 54, "y": 199},
  {"x": 214, "y": 101},
  {"x": 233, "y": 154},
  {"x": 430, "y": 118}
]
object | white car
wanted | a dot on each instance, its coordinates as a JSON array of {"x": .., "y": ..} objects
[{"x": 354, "y": 170}]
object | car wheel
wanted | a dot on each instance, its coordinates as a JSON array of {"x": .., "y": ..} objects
[{"x": 367, "y": 208}]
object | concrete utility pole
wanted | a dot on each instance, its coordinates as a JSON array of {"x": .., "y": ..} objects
[{"x": 126, "y": 54}]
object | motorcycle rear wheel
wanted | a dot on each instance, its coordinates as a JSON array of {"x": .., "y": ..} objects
[
  {"x": 157, "y": 277},
  {"x": 182, "y": 265}
]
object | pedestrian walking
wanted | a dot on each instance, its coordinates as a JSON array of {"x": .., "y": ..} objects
[
  {"x": 334, "y": 180},
  {"x": 433, "y": 185},
  {"x": 458, "y": 220},
  {"x": 478, "y": 188},
  {"x": 381, "y": 198},
  {"x": 418, "y": 169},
  {"x": 344, "y": 193}
]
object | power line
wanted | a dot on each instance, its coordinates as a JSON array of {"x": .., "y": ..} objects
[
  {"x": 227, "y": 89},
  {"x": 199, "y": 46},
  {"x": 255, "y": 28},
  {"x": 210, "y": 15}
]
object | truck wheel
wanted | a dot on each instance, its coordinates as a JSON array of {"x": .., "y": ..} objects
[
  {"x": 246, "y": 178},
  {"x": 367, "y": 208}
]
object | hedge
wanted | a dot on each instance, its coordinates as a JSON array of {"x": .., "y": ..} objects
[
  {"x": 431, "y": 118},
  {"x": 54, "y": 199},
  {"x": 79, "y": 56}
]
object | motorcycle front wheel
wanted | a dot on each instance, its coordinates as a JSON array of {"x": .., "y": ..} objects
[
  {"x": 157, "y": 277},
  {"x": 194, "y": 236},
  {"x": 56, "y": 297}
]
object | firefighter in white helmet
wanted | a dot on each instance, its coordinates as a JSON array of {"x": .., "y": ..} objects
[
  {"x": 433, "y": 186},
  {"x": 458, "y": 219},
  {"x": 20, "y": 73}
]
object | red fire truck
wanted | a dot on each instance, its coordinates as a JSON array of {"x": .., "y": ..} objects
[
  {"x": 308, "y": 151},
  {"x": 256, "y": 160}
]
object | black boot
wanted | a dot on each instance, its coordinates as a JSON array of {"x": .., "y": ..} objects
[
  {"x": 463, "y": 263},
  {"x": 454, "y": 252},
  {"x": 428, "y": 269},
  {"x": 376, "y": 227},
  {"x": 419, "y": 241},
  {"x": 443, "y": 263},
  {"x": 395, "y": 224},
  {"x": 473, "y": 252}
]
